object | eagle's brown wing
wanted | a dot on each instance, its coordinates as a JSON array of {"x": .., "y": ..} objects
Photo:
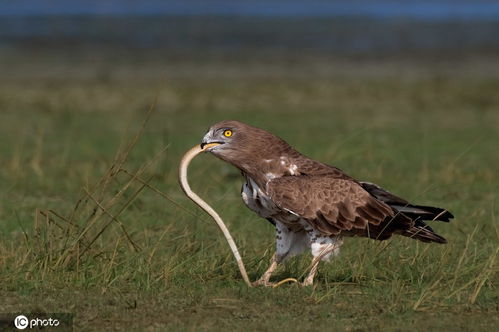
[{"x": 331, "y": 205}]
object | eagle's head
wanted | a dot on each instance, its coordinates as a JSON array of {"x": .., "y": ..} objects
[
  {"x": 242, "y": 145},
  {"x": 226, "y": 137},
  {"x": 234, "y": 141}
]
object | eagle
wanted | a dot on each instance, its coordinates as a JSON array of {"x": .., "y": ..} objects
[{"x": 311, "y": 204}]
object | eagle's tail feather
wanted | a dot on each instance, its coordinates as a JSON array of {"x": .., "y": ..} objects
[
  {"x": 423, "y": 212},
  {"x": 414, "y": 212},
  {"x": 422, "y": 232}
]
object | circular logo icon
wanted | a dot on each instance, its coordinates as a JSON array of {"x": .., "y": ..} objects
[{"x": 21, "y": 322}]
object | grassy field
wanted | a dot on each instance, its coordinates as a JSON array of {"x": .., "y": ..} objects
[{"x": 93, "y": 222}]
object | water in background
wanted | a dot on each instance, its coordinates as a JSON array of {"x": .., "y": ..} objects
[
  {"x": 226, "y": 26},
  {"x": 423, "y": 9}
]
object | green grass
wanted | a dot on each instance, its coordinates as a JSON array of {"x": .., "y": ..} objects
[{"x": 131, "y": 255}]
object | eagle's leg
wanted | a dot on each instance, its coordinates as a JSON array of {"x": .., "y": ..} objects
[
  {"x": 309, "y": 280},
  {"x": 288, "y": 244},
  {"x": 322, "y": 249},
  {"x": 325, "y": 251}
]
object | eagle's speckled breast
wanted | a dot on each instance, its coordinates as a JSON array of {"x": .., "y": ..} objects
[{"x": 258, "y": 201}]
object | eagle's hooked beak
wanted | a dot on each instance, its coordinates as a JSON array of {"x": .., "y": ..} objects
[{"x": 205, "y": 146}]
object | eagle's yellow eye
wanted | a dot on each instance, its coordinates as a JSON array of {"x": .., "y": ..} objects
[{"x": 228, "y": 133}]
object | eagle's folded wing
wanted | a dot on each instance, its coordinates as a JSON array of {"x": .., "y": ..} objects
[{"x": 330, "y": 205}]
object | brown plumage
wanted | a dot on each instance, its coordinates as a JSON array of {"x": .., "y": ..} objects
[{"x": 311, "y": 203}]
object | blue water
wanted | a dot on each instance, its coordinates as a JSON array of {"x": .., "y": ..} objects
[
  {"x": 332, "y": 27},
  {"x": 424, "y": 9}
]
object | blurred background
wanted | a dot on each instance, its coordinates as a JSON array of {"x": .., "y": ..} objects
[{"x": 274, "y": 32}]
